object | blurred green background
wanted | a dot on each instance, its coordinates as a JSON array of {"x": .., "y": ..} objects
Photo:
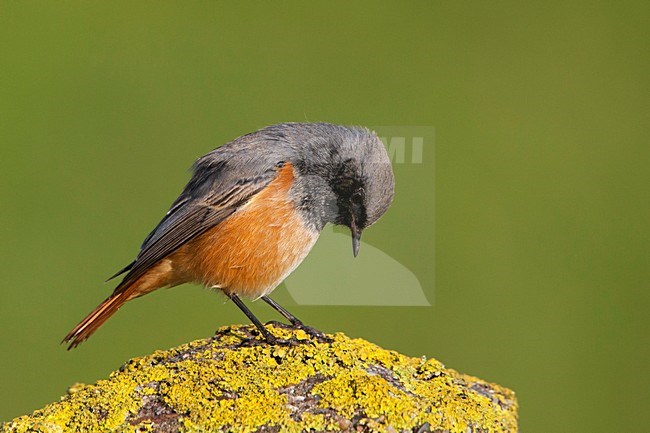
[{"x": 540, "y": 189}]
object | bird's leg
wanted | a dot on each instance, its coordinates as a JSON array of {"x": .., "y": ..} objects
[
  {"x": 280, "y": 309},
  {"x": 270, "y": 338},
  {"x": 297, "y": 323}
]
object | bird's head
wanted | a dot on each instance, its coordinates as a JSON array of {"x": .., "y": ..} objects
[{"x": 344, "y": 174}]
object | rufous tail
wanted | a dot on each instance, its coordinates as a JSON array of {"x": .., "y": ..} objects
[{"x": 95, "y": 319}]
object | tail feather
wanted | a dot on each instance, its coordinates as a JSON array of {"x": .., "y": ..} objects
[{"x": 95, "y": 319}]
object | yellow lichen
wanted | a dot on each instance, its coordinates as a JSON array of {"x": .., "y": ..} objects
[{"x": 234, "y": 382}]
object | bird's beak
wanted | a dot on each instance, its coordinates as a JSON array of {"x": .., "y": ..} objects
[{"x": 356, "y": 237}]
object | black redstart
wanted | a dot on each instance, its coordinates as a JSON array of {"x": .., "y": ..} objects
[{"x": 253, "y": 210}]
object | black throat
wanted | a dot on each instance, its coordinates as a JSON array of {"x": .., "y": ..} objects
[{"x": 350, "y": 196}]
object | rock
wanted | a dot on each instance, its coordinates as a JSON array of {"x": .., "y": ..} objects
[{"x": 235, "y": 382}]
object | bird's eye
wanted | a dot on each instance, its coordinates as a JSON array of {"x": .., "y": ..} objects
[{"x": 357, "y": 196}]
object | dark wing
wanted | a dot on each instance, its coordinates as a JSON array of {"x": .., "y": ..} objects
[{"x": 212, "y": 195}]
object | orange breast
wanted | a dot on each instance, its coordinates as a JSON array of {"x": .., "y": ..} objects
[{"x": 254, "y": 249}]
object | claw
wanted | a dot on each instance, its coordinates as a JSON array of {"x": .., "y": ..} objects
[{"x": 313, "y": 332}]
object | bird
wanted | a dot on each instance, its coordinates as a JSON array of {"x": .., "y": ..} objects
[{"x": 251, "y": 212}]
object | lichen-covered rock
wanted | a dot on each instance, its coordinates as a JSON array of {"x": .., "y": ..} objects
[{"x": 235, "y": 382}]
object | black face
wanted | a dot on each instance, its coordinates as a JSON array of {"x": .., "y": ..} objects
[
  {"x": 350, "y": 198},
  {"x": 350, "y": 202},
  {"x": 352, "y": 209}
]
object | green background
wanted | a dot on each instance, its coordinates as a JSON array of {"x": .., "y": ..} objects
[{"x": 536, "y": 215}]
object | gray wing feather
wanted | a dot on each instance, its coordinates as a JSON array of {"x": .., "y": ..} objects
[{"x": 211, "y": 195}]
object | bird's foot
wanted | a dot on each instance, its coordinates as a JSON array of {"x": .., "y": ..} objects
[
  {"x": 272, "y": 340},
  {"x": 250, "y": 337},
  {"x": 312, "y": 332}
]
